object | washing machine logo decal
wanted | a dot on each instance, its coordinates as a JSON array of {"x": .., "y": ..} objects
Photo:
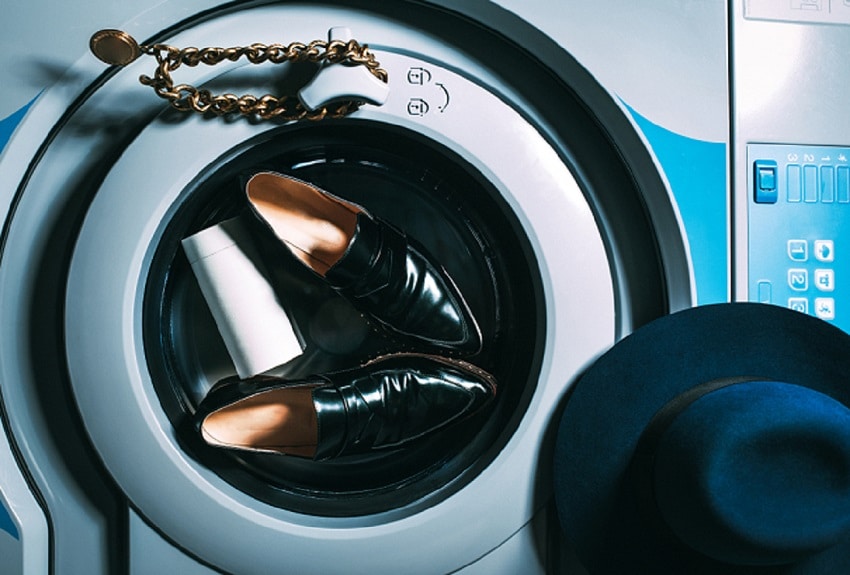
[
  {"x": 696, "y": 171},
  {"x": 9, "y": 123},
  {"x": 6, "y": 523}
]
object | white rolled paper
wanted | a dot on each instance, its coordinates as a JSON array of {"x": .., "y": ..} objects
[{"x": 252, "y": 321}]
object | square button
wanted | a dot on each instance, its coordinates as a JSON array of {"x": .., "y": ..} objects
[
  {"x": 825, "y": 250},
  {"x": 799, "y": 304},
  {"x": 764, "y": 172},
  {"x": 825, "y": 307},
  {"x": 825, "y": 280},
  {"x": 798, "y": 279},
  {"x": 798, "y": 250},
  {"x": 767, "y": 178}
]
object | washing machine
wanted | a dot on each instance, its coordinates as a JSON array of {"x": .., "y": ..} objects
[{"x": 580, "y": 168}]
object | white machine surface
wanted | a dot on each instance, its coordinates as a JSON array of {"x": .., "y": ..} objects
[{"x": 584, "y": 167}]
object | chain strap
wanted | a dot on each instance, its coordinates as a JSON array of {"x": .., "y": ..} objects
[{"x": 117, "y": 47}]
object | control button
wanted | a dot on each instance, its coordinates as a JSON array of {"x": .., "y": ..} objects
[
  {"x": 795, "y": 184},
  {"x": 825, "y": 280},
  {"x": 765, "y": 182},
  {"x": 810, "y": 184},
  {"x": 825, "y": 307},
  {"x": 765, "y": 292},
  {"x": 842, "y": 184},
  {"x": 798, "y": 250},
  {"x": 767, "y": 178},
  {"x": 798, "y": 279},
  {"x": 825, "y": 250},
  {"x": 799, "y": 304},
  {"x": 827, "y": 184}
]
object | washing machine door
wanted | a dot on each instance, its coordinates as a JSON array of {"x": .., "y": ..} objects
[{"x": 528, "y": 184}]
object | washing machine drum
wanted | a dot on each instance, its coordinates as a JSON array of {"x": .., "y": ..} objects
[
  {"x": 402, "y": 178},
  {"x": 457, "y": 159}
]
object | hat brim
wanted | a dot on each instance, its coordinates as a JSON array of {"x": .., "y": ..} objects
[{"x": 613, "y": 402}]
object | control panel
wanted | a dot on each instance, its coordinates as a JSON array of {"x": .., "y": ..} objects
[{"x": 799, "y": 229}]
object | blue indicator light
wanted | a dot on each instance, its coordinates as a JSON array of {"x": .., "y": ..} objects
[
  {"x": 795, "y": 184},
  {"x": 810, "y": 184},
  {"x": 827, "y": 184},
  {"x": 842, "y": 184}
]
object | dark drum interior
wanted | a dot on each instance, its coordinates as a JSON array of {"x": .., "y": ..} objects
[{"x": 435, "y": 197}]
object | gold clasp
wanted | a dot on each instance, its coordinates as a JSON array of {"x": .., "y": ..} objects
[{"x": 114, "y": 47}]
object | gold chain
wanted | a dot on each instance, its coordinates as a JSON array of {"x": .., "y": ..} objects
[{"x": 116, "y": 47}]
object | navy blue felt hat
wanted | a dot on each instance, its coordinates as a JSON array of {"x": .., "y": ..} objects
[{"x": 715, "y": 440}]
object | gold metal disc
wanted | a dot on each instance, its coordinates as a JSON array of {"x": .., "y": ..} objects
[{"x": 114, "y": 47}]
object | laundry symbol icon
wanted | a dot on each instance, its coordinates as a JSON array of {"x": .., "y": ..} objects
[
  {"x": 825, "y": 280},
  {"x": 417, "y": 107},
  {"x": 798, "y": 250},
  {"x": 824, "y": 250},
  {"x": 418, "y": 76},
  {"x": 825, "y": 307},
  {"x": 798, "y": 279}
]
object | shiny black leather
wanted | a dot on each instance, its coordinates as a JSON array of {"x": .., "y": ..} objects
[
  {"x": 386, "y": 403},
  {"x": 395, "y": 400},
  {"x": 393, "y": 278}
]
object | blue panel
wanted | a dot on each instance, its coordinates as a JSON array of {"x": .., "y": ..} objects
[
  {"x": 797, "y": 245},
  {"x": 8, "y": 124},
  {"x": 696, "y": 172}
]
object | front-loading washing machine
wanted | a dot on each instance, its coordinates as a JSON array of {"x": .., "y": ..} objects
[{"x": 580, "y": 169}]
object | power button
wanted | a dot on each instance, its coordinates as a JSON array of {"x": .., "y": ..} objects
[{"x": 765, "y": 184}]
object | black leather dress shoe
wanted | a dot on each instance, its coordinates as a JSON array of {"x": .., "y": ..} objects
[
  {"x": 384, "y": 404},
  {"x": 377, "y": 267}
]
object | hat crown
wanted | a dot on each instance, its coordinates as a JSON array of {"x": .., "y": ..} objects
[{"x": 756, "y": 473}]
